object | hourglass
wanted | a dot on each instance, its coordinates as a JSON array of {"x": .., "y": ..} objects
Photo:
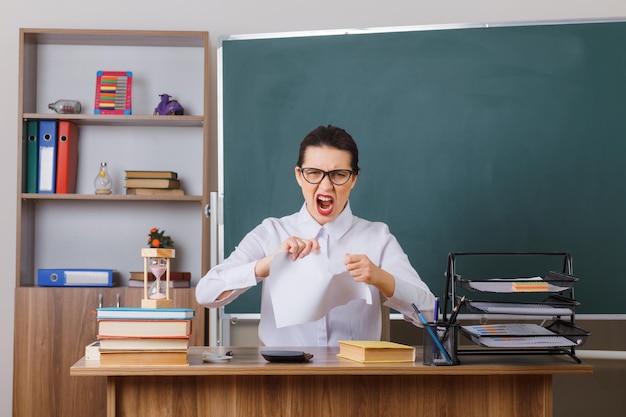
[
  {"x": 157, "y": 261},
  {"x": 157, "y": 290}
]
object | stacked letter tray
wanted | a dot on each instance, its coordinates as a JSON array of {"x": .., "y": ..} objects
[
  {"x": 554, "y": 305},
  {"x": 527, "y": 336},
  {"x": 550, "y": 282}
]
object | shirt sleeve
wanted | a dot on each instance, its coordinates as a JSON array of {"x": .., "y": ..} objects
[
  {"x": 236, "y": 273},
  {"x": 237, "y": 278},
  {"x": 409, "y": 287},
  {"x": 421, "y": 296}
]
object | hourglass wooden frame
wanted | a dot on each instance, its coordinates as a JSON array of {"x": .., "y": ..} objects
[{"x": 148, "y": 253}]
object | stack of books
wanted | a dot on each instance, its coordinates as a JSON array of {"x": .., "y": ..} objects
[
  {"x": 144, "y": 336},
  {"x": 152, "y": 183},
  {"x": 178, "y": 279}
]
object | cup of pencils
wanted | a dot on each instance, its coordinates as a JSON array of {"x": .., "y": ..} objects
[{"x": 440, "y": 343}]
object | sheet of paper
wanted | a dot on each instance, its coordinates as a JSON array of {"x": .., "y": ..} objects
[
  {"x": 506, "y": 286},
  {"x": 305, "y": 290},
  {"x": 513, "y": 308}
]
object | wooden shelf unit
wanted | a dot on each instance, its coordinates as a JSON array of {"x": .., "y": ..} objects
[{"x": 52, "y": 325}]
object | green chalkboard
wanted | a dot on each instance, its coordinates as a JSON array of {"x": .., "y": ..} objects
[{"x": 508, "y": 138}]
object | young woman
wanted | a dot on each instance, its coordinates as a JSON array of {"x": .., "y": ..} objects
[{"x": 327, "y": 171}]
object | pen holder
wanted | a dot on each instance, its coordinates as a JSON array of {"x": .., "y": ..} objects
[{"x": 440, "y": 344}]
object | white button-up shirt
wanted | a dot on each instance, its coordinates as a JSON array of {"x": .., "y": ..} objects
[{"x": 356, "y": 320}]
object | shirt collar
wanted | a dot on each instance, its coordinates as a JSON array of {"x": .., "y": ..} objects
[{"x": 336, "y": 228}]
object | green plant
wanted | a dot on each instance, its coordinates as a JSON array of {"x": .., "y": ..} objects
[{"x": 157, "y": 239}]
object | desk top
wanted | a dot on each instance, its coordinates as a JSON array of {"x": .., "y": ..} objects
[{"x": 248, "y": 361}]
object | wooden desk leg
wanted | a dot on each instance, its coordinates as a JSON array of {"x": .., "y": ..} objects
[
  {"x": 110, "y": 396},
  {"x": 547, "y": 389}
]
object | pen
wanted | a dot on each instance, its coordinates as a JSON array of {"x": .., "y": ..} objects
[
  {"x": 432, "y": 334},
  {"x": 436, "y": 312}
]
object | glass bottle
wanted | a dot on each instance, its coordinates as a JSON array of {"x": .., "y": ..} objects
[
  {"x": 102, "y": 182},
  {"x": 65, "y": 106}
]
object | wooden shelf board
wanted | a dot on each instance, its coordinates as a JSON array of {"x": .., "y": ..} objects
[{"x": 120, "y": 120}]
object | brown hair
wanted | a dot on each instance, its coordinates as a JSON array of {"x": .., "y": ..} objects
[{"x": 333, "y": 137}]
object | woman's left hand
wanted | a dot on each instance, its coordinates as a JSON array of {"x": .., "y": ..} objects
[{"x": 362, "y": 269}]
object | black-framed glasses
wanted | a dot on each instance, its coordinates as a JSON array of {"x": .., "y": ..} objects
[{"x": 336, "y": 176}]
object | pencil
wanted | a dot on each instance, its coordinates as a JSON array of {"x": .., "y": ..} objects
[{"x": 455, "y": 313}]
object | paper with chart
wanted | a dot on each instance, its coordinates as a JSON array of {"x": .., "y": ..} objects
[
  {"x": 305, "y": 290},
  {"x": 515, "y": 335}
]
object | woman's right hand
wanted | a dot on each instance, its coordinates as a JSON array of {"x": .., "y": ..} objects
[
  {"x": 295, "y": 246},
  {"x": 298, "y": 247}
]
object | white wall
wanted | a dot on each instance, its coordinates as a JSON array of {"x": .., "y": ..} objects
[{"x": 219, "y": 18}]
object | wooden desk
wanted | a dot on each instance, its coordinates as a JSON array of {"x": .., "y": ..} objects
[{"x": 248, "y": 386}]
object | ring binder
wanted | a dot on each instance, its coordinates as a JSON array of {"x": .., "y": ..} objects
[{"x": 75, "y": 277}]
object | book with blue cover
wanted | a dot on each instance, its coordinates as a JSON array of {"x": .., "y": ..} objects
[{"x": 137, "y": 313}]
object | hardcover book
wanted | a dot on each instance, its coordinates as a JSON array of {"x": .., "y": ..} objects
[
  {"x": 142, "y": 343},
  {"x": 133, "y": 283},
  {"x": 151, "y": 174},
  {"x": 174, "y": 276},
  {"x": 151, "y": 183},
  {"x": 144, "y": 328},
  {"x": 154, "y": 191},
  {"x": 143, "y": 358},
  {"x": 125, "y": 313},
  {"x": 373, "y": 351}
]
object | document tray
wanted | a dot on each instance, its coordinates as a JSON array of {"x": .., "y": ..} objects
[
  {"x": 570, "y": 331},
  {"x": 551, "y": 282},
  {"x": 554, "y": 305},
  {"x": 516, "y": 335}
]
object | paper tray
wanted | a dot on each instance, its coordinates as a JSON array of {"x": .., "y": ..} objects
[
  {"x": 554, "y": 282},
  {"x": 554, "y": 305},
  {"x": 558, "y": 335},
  {"x": 570, "y": 331}
]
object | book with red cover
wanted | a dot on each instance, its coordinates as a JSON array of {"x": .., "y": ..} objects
[
  {"x": 174, "y": 276},
  {"x": 67, "y": 157},
  {"x": 135, "y": 283}
]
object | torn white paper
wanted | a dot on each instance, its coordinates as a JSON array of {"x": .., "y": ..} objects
[{"x": 305, "y": 290}]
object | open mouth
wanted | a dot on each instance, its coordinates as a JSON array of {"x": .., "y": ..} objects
[{"x": 325, "y": 205}]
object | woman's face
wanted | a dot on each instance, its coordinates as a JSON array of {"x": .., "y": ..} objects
[{"x": 325, "y": 201}]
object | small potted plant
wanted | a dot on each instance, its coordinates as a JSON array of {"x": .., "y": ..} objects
[{"x": 157, "y": 258}]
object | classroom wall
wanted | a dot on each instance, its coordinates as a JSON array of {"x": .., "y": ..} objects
[{"x": 219, "y": 18}]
